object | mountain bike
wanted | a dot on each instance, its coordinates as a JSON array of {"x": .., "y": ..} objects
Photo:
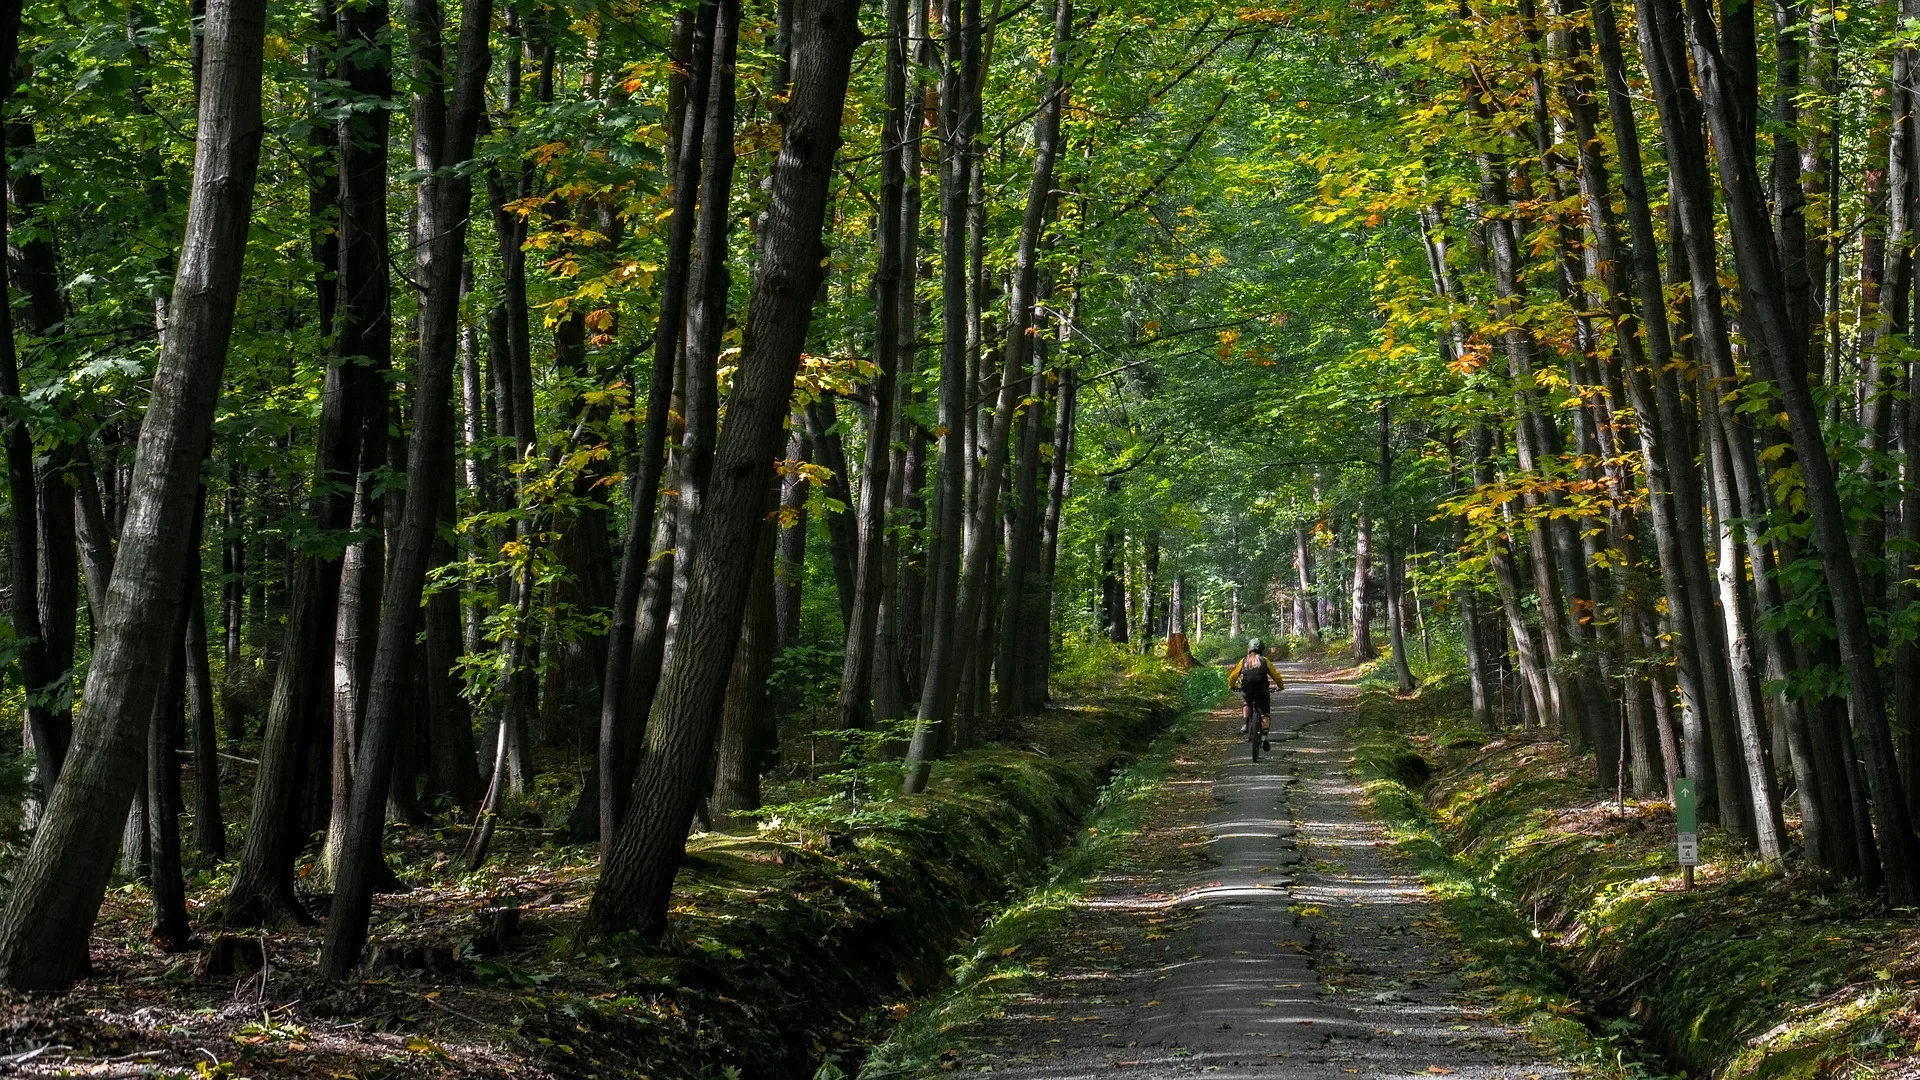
[{"x": 1258, "y": 722}]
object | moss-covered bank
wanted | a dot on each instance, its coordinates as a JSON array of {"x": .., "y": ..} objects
[
  {"x": 788, "y": 947},
  {"x": 1573, "y": 906}
]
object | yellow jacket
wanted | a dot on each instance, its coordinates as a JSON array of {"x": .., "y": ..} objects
[{"x": 1273, "y": 674}]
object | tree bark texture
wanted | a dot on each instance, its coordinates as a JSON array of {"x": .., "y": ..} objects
[
  {"x": 616, "y": 735},
  {"x": 443, "y": 213},
  {"x": 59, "y": 886},
  {"x": 638, "y": 871}
]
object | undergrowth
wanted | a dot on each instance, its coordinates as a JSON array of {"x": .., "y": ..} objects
[{"x": 1573, "y": 907}]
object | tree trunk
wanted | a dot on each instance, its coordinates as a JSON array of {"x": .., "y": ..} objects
[
  {"x": 958, "y": 120},
  {"x": 1506, "y": 580},
  {"x": 167, "y": 880},
  {"x": 982, "y": 526},
  {"x": 632, "y": 894},
  {"x": 1303, "y": 565},
  {"x": 1039, "y": 653},
  {"x": 356, "y": 633},
  {"x": 896, "y": 673},
  {"x": 95, "y": 535},
  {"x": 364, "y": 342},
  {"x": 209, "y": 831},
  {"x": 791, "y": 565},
  {"x": 442, "y": 210},
  {"x": 745, "y": 723},
  {"x": 1396, "y": 620},
  {"x": 1396, "y": 625},
  {"x": 706, "y": 314},
  {"x": 451, "y": 769},
  {"x": 1664, "y": 428},
  {"x": 1149, "y": 592},
  {"x": 49, "y": 736},
  {"x": 57, "y": 591},
  {"x": 1362, "y": 604},
  {"x": 1760, "y": 272},
  {"x": 1760, "y": 801},
  {"x": 58, "y": 887},
  {"x": 233, "y": 565},
  {"x": 914, "y": 597},
  {"x": 1113, "y": 590},
  {"x": 869, "y": 577},
  {"x": 843, "y": 541},
  {"x": 1481, "y": 681}
]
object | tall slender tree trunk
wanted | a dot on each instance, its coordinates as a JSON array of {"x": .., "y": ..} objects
[
  {"x": 1362, "y": 599},
  {"x": 49, "y": 735},
  {"x": 1691, "y": 258},
  {"x": 442, "y": 208},
  {"x": 942, "y": 651},
  {"x": 1396, "y": 591},
  {"x": 1303, "y": 566},
  {"x": 855, "y": 707},
  {"x": 896, "y": 673},
  {"x": 451, "y": 767},
  {"x": 706, "y": 316},
  {"x": 58, "y": 887},
  {"x": 209, "y": 831},
  {"x": 638, "y": 871},
  {"x": 1665, "y": 433},
  {"x": 745, "y": 724},
  {"x": 1022, "y": 601},
  {"x": 982, "y": 531},
  {"x": 1059, "y": 480},
  {"x": 1736, "y": 608},
  {"x": 843, "y": 540},
  {"x": 790, "y": 566},
  {"x": 233, "y": 578},
  {"x": 616, "y": 734},
  {"x": 167, "y": 881},
  {"x": 1760, "y": 271},
  {"x": 365, "y": 346},
  {"x": 356, "y": 633}
]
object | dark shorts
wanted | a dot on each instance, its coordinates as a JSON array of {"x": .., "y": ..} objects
[{"x": 1261, "y": 700}]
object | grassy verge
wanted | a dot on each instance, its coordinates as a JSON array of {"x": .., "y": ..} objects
[
  {"x": 1574, "y": 910},
  {"x": 804, "y": 938},
  {"x": 995, "y": 966}
]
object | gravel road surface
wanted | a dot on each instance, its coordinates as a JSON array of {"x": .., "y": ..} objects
[{"x": 1261, "y": 928}]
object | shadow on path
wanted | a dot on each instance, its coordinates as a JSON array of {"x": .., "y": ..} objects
[{"x": 1293, "y": 948}]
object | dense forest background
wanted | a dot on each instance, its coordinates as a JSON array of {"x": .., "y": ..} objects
[{"x": 575, "y": 417}]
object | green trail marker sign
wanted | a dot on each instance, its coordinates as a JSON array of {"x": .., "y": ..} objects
[{"x": 1686, "y": 817}]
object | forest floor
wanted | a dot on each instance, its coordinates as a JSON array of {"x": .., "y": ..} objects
[
  {"x": 1256, "y": 923},
  {"x": 787, "y": 946}
]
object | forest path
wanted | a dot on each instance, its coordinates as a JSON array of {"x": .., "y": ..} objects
[{"x": 1296, "y": 946}]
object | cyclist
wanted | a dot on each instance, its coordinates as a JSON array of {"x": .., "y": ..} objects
[{"x": 1254, "y": 676}]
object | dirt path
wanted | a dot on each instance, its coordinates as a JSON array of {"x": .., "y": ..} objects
[{"x": 1294, "y": 946}]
